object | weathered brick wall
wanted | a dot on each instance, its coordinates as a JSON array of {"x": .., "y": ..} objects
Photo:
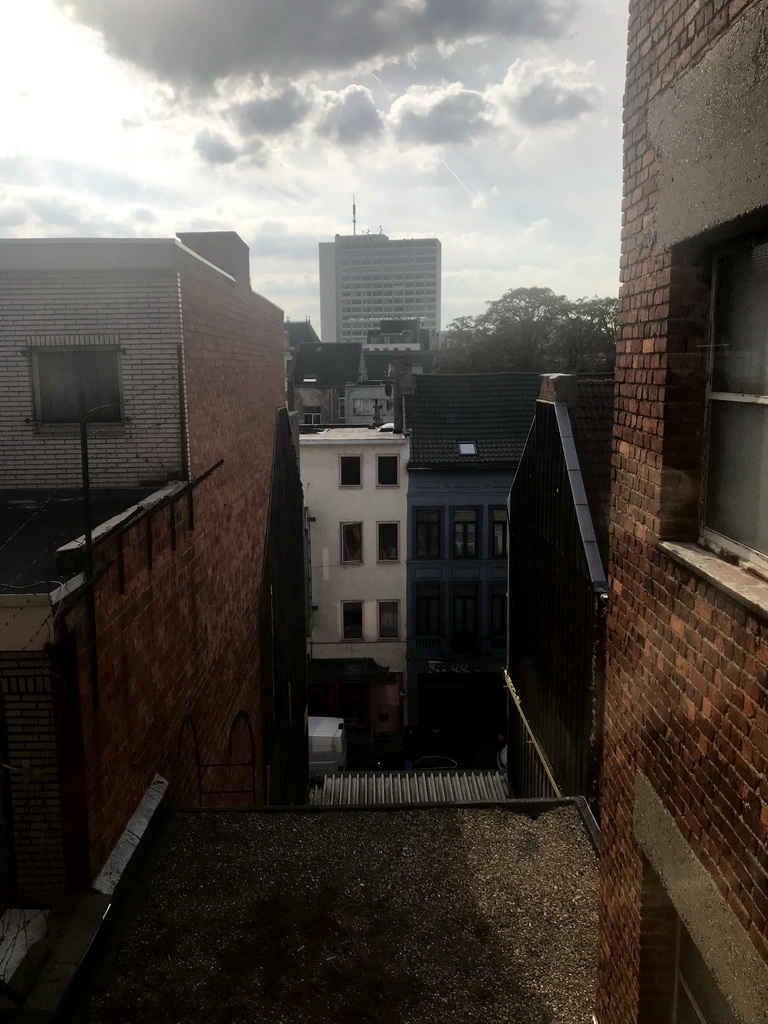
[
  {"x": 34, "y": 810},
  {"x": 139, "y": 312},
  {"x": 687, "y": 666},
  {"x": 183, "y": 639}
]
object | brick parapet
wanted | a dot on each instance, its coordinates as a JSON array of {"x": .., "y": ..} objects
[{"x": 34, "y": 814}]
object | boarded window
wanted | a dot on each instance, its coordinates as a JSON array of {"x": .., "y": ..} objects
[{"x": 62, "y": 376}]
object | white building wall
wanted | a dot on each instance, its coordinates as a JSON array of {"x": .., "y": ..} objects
[
  {"x": 367, "y": 278},
  {"x": 328, "y": 291},
  {"x": 330, "y": 505},
  {"x": 139, "y": 312}
]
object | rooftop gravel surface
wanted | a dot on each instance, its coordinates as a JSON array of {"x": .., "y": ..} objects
[{"x": 467, "y": 916}]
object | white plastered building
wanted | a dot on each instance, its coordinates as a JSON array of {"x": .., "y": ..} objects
[{"x": 355, "y": 487}]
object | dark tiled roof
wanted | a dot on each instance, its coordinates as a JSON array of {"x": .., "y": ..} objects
[
  {"x": 378, "y": 365},
  {"x": 592, "y": 422},
  {"x": 331, "y": 365},
  {"x": 495, "y": 410},
  {"x": 33, "y": 524},
  {"x": 301, "y": 332}
]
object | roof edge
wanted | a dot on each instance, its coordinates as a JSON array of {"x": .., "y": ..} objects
[{"x": 597, "y": 572}]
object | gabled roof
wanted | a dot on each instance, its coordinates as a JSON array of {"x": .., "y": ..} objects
[
  {"x": 331, "y": 365},
  {"x": 592, "y": 421},
  {"x": 492, "y": 410},
  {"x": 301, "y": 332}
]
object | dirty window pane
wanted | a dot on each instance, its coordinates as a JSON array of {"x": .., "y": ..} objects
[
  {"x": 737, "y": 473},
  {"x": 352, "y": 542},
  {"x": 388, "y": 616},
  {"x": 352, "y": 620},
  {"x": 60, "y": 377},
  {"x": 388, "y": 542},
  {"x": 740, "y": 336},
  {"x": 465, "y": 533}
]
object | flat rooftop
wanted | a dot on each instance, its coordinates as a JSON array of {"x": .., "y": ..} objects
[
  {"x": 34, "y": 524},
  {"x": 461, "y": 915},
  {"x": 349, "y": 435}
]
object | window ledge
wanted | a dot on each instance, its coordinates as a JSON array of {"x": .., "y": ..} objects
[
  {"x": 73, "y": 429},
  {"x": 739, "y": 584}
]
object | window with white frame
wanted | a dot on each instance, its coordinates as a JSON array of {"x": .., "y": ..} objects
[
  {"x": 352, "y": 620},
  {"x": 736, "y": 494},
  {"x": 350, "y": 474},
  {"x": 63, "y": 375},
  {"x": 389, "y": 547},
  {"x": 351, "y": 542},
  {"x": 387, "y": 470},
  {"x": 389, "y": 615},
  {"x": 362, "y": 406}
]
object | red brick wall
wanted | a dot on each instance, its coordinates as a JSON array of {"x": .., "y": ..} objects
[
  {"x": 34, "y": 809},
  {"x": 687, "y": 667},
  {"x": 183, "y": 638}
]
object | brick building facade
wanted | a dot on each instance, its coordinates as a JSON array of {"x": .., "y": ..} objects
[
  {"x": 176, "y": 678},
  {"x": 684, "y": 873}
]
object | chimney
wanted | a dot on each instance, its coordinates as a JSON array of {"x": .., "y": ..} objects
[
  {"x": 402, "y": 380},
  {"x": 224, "y": 249},
  {"x": 558, "y": 387}
]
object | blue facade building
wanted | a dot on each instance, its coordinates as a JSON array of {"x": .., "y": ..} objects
[{"x": 467, "y": 435}]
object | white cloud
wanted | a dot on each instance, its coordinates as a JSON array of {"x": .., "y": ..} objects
[
  {"x": 463, "y": 136},
  {"x": 539, "y": 93},
  {"x": 444, "y": 116}
]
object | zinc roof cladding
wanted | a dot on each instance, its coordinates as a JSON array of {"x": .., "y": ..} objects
[
  {"x": 331, "y": 365},
  {"x": 34, "y": 524},
  {"x": 493, "y": 410},
  {"x": 592, "y": 422}
]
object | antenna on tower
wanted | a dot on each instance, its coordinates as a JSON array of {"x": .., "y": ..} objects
[{"x": 354, "y": 215}]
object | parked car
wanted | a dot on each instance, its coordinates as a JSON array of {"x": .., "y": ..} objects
[{"x": 327, "y": 746}]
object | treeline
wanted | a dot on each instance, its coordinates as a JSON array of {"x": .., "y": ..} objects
[{"x": 532, "y": 329}]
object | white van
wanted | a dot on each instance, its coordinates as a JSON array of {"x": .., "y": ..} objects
[{"x": 327, "y": 745}]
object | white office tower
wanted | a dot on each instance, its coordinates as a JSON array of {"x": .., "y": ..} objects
[{"x": 368, "y": 278}]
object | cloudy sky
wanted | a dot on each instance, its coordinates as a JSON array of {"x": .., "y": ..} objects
[{"x": 493, "y": 124}]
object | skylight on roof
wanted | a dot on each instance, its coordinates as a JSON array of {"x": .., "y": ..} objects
[
  {"x": 309, "y": 380},
  {"x": 467, "y": 448}
]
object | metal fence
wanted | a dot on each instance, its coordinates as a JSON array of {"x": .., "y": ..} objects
[{"x": 556, "y": 613}]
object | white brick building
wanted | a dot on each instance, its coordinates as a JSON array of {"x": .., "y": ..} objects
[{"x": 107, "y": 313}]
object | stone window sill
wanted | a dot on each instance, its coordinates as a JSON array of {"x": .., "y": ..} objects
[{"x": 733, "y": 580}]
